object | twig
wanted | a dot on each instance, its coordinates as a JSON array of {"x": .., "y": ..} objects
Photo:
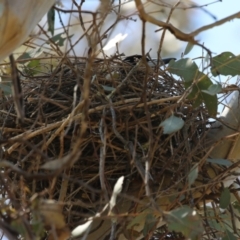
[{"x": 103, "y": 135}]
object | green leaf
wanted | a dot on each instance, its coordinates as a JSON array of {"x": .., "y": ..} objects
[
  {"x": 33, "y": 67},
  {"x": 213, "y": 89},
  {"x": 172, "y": 124},
  {"x": 185, "y": 68},
  {"x": 186, "y": 221},
  {"x": 149, "y": 225},
  {"x": 223, "y": 162},
  {"x": 193, "y": 175},
  {"x": 199, "y": 97},
  {"x": 108, "y": 88},
  {"x": 188, "y": 48},
  {"x": 218, "y": 220},
  {"x": 236, "y": 205},
  {"x": 136, "y": 221},
  {"x": 207, "y": 58},
  {"x": 211, "y": 218},
  {"x": 229, "y": 236},
  {"x": 226, "y": 64},
  {"x": 34, "y": 63},
  {"x": 25, "y": 55},
  {"x": 199, "y": 82},
  {"x": 211, "y": 104},
  {"x": 37, "y": 224},
  {"x": 19, "y": 226},
  {"x": 6, "y": 87},
  {"x": 51, "y": 20},
  {"x": 225, "y": 198},
  {"x": 59, "y": 40}
]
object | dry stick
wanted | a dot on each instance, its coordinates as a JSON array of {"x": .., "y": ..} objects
[
  {"x": 215, "y": 24},
  {"x": 218, "y": 178},
  {"x": 231, "y": 210},
  {"x": 76, "y": 42},
  {"x": 84, "y": 104},
  {"x": 66, "y": 31},
  {"x": 124, "y": 80},
  {"x": 56, "y": 46},
  {"x": 104, "y": 35},
  {"x": 56, "y": 49},
  {"x": 176, "y": 32},
  {"x": 148, "y": 115},
  {"x": 164, "y": 32},
  {"x": 127, "y": 145},
  {"x": 64, "y": 123},
  {"x": 65, "y": 181},
  {"x": 17, "y": 90},
  {"x": 144, "y": 99},
  {"x": 85, "y": 95},
  {"x": 103, "y": 134},
  {"x": 136, "y": 157},
  {"x": 82, "y": 22},
  {"x": 76, "y": 152},
  {"x": 85, "y": 31},
  {"x": 118, "y": 135}
]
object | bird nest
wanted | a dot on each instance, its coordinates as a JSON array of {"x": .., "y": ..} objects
[{"x": 73, "y": 151}]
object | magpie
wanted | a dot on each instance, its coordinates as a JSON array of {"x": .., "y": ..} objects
[{"x": 134, "y": 59}]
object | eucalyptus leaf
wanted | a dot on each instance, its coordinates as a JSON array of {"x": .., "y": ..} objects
[
  {"x": 229, "y": 236},
  {"x": 59, "y": 39},
  {"x": 51, "y": 20},
  {"x": 107, "y": 88},
  {"x": 199, "y": 96},
  {"x": 150, "y": 223},
  {"x": 27, "y": 56},
  {"x": 55, "y": 164},
  {"x": 226, "y": 64},
  {"x": 24, "y": 55},
  {"x": 18, "y": 226},
  {"x": 213, "y": 89},
  {"x": 172, "y": 124},
  {"x": 185, "y": 68},
  {"x": 137, "y": 219},
  {"x": 193, "y": 175},
  {"x": 186, "y": 221},
  {"x": 223, "y": 162},
  {"x": 198, "y": 83},
  {"x": 225, "y": 198},
  {"x": 236, "y": 205},
  {"x": 6, "y": 87},
  {"x": 188, "y": 48},
  {"x": 33, "y": 67}
]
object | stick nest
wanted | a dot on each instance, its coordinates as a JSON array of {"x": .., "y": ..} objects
[{"x": 116, "y": 133}]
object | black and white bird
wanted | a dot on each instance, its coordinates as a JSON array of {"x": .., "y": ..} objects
[{"x": 134, "y": 59}]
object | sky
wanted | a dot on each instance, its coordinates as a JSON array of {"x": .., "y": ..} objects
[
  {"x": 225, "y": 37},
  {"x": 218, "y": 39}
]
